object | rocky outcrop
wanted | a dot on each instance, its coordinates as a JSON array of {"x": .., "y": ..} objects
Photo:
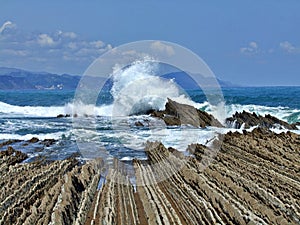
[
  {"x": 33, "y": 140},
  {"x": 296, "y": 124},
  {"x": 181, "y": 114},
  {"x": 252, "y": 179},
  {"x": 252, "y": 119},
  {"x": 36, "y": 193},
  {"x": 8, "y": 142},
  {"x": 115, "y": 202},
  {"x": 11, "y": 156}
]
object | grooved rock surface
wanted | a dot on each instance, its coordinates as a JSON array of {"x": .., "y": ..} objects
[
  {"x": 37, "y": 193},
  {"x": 252, "y": 119},
  {"x": 182, "y": 114},
  {"x": 252, "y": 179}
]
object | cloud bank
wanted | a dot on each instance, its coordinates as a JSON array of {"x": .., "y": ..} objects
[
  {"x": 288, "y": 47},
  {"x": 253, "y": 49},
  {"x": 58, "y": 51}
]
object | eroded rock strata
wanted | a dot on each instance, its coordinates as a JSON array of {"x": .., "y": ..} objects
[
  {"x": 253, "y": 178},
  {"x": 181, "y": 114},
  {"x": 252, "y": 119},
  {"x": 37, "y": 193}
]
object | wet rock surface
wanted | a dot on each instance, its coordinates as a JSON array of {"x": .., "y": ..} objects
[
  {"x": 252, "y": 119},
  {"x": 63, "y": 115},
  {"x": 252, "y": 179},
  {"x": 181, "y": 114}
]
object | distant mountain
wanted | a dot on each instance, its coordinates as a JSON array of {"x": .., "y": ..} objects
[
  {"x": 187, "y": 83},
  {"x": 16, "y": 79}
]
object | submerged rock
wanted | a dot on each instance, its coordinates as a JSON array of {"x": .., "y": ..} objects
[
  {"x": 8, "y": 142},
  {"x": 252, "y": 119},
  {"x": 181, "y": 114},
  {"x": 48, "y": 142}
]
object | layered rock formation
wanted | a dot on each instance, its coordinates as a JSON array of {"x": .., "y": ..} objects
[
  {"x": 182, "y": 114},
  {"x": 252, "y": 179},
  {"x": 252, "y": 119},
  {"x": 38, "y": 193}
]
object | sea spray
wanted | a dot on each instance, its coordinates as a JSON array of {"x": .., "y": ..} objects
[{"x": 136, "y": 89}]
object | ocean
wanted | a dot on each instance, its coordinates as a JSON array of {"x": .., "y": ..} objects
[{"x": 95, "y": 132}]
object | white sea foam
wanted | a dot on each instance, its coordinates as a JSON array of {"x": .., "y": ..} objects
[
  {"x": 56, "y": 136},
  {"x": 122, "y": 107},
  {"x": 31, "y": 111},
  {"x": 137, "y": 89},
  {"x": 283, "y": 113}
]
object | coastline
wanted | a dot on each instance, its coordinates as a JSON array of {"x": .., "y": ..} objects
[{"x": 253, "y": 179}]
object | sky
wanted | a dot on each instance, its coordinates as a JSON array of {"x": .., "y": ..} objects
[{"x": 249, "y": 42}]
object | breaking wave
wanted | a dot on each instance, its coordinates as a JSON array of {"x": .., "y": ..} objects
[{"x": 137, "y": 89}]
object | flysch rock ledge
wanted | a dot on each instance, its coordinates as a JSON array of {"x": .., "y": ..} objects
[{"x": 252, "y": 179}]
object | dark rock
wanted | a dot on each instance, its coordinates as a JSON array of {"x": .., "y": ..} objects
[
  {"x": 33, "y": 140},
  {"x": 252, "y": 119},
  {"x": 138, "y": 124},
  {"x": 48, "y": 142},
  {"x": 13, "y": 156},
  {"x": 181, "y": 114},
  {"x": 74, "y": 155},
  {"x": 9, "y": 142},
  {"x": 198, "y": 150},
  {"x": 63, "y": 115},
  {"x": 296, "y": 124}
]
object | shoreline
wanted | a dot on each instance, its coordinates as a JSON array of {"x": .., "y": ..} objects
[
  {"x": 252, "y": 179},
  {"x": 240, "y": 177}
]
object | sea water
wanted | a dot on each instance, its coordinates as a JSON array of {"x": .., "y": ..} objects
[{"x": 25, "y": 114}]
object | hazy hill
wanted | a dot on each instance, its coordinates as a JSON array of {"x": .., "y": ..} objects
[
  {"x": 187, "y": 83},
  {"x": 17, "y": 79}
]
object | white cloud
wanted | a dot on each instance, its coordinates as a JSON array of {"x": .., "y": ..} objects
[
  {"x": 288, "y": 47},
  {"x": 64, "y": 51},
  {"x": 251, "y": 49},
  {"x": 6, "y": 25},
  {"x": 164, "y": 48},
  {"x": 45, "y": 40},
  {"x": 97, "y": 44},
  {"x": 72, "y": 45},
  {"x": 253, "y": 45},
  {"x": 70, "y": 35}
]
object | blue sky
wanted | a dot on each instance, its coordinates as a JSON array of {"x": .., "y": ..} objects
[{"x": 245, "y": 42}]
